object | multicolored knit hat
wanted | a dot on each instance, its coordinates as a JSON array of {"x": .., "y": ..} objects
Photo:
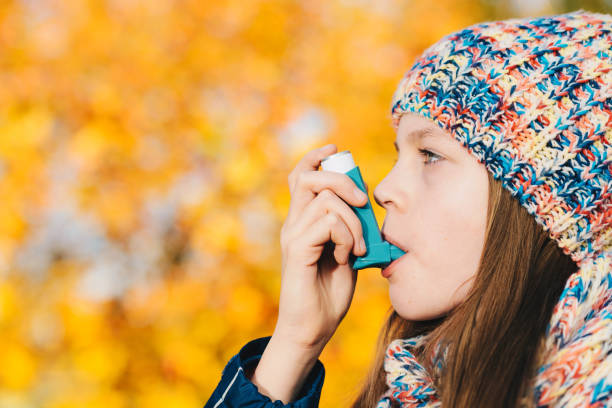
[{"x": 532, "y": 100}]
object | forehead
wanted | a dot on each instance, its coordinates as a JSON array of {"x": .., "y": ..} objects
[
  {"x": 415, "y": 128},
  {"x": 416, "y": 135},
  {"x": 411, "y": 122}
]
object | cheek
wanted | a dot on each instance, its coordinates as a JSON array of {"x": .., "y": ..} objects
[
  {"x": 450, "y": 232},
  {"x": 457, "y": 220},
  {"x": 457, "y": 239},
  {"x": 438, "y": 273},
  {"x": 451, "y": 237}
]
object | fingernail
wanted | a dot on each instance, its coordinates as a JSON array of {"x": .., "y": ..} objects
[
  {"x": 360, "y": 195},
  {"x": 363, "y": 244},
  {"x": 327, "y": 147}
]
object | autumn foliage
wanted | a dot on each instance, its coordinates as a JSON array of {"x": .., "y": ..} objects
[{"x": 144, "y": 154}]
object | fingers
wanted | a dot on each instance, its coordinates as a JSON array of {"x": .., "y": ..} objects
[
  {"x": 311, "y": 183},
  {"x": 331, "y": 227},
  {"x": 327, "y": 202},
  {"x": 316, "y": 194},
  {"x": 310, "y": 162}
]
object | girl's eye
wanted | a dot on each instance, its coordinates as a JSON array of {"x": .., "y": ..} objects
[
  {"x": 426, "y": 153},
  {"x": 430, "y": 154}
]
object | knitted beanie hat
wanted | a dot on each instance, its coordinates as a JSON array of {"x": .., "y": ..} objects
[{"x": 532, "y": 100}]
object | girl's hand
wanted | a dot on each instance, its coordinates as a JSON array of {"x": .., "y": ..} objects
[{"x": 317, "y": 282}]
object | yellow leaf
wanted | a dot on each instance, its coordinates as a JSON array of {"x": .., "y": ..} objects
[{"x": 18, "y": 366}]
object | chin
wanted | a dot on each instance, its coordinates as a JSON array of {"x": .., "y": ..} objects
[
  {"x": 419, "y": 317},
  {"x": 415, "y": 312}
]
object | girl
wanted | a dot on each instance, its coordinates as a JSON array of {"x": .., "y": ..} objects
[{"x": 500, "y": 197}]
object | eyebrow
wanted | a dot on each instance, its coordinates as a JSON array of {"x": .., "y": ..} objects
[{"x": 420, "y": 134}]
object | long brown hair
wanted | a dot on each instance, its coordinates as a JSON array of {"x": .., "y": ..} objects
[{"x": 493, "y": 336}]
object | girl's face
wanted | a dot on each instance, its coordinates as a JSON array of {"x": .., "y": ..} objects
[{"x": 436, "y": 199}]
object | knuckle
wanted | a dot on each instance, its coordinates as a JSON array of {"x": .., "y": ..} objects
[
  {"x": 349, "y": 181},
  {"x": 300, "y": 179},
  {"x": 332, "y": 219},
  {"x": 326, "y": 193}
]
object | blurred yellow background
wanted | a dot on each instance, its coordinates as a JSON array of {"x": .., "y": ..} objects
[{"x": 144, "y": 154}]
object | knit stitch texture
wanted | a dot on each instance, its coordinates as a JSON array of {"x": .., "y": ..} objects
[{"x": 531, "y": 99}]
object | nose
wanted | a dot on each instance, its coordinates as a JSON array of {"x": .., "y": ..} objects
[
  {"x": 383, "y": 193},
  {"x": 397, "y": 188}
]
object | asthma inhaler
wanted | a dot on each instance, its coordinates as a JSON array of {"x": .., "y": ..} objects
[{"x": 379, "y": 253}]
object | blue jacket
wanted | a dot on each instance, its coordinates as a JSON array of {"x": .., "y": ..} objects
[{"x": 236, "y": 390}]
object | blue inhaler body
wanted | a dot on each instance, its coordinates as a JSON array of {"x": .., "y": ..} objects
[{"x": 379, "y": 253}]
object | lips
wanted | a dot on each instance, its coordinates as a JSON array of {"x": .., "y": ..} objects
[
  {"x": 389, "y": 269},
  {"x": 391, "y": 240},
  {"x": 386, "y": 272}
]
